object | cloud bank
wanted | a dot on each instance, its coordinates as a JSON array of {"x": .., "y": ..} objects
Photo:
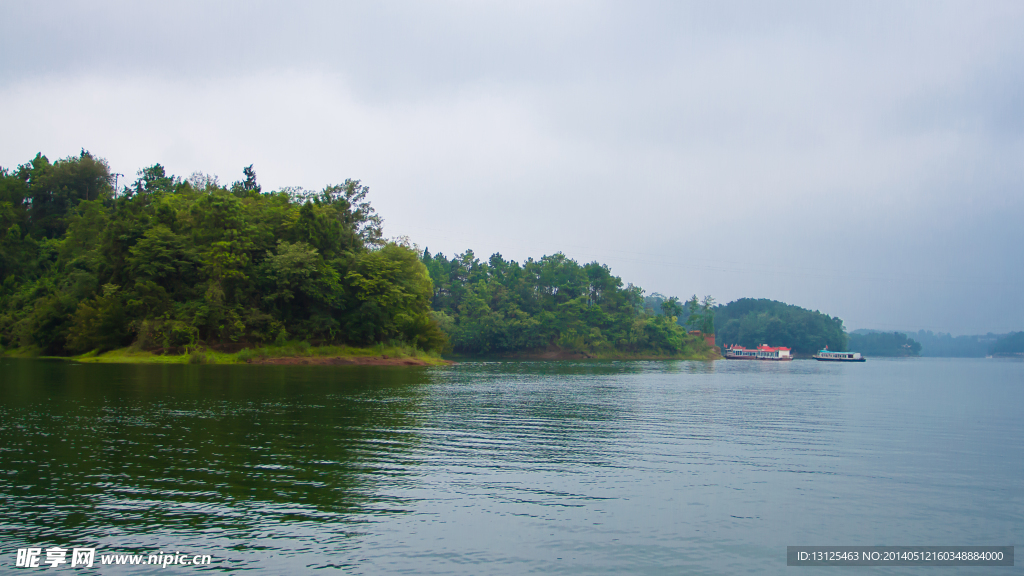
[{"x": 863, "y": 159}]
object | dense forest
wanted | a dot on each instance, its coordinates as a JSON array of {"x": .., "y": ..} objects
[
  {"x": 499, "y": 306},
  {"x": 172, "y": 263},
  {"x": 749, "y": 323},
  {"x": 169, "y": 264},
  {"x": 1010, "y": 345},
  {"x": 884, "y": 344}
]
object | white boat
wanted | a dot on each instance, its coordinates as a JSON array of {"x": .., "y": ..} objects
[{"x": 827, "y": 355}]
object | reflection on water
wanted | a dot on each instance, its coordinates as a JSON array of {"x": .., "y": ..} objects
[
  {"x": 150, "y": 457},
  {"x": 506, "y": 467}
]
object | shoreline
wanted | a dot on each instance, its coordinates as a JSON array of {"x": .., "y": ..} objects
[
  {"x": 383, "y": 360},
  {"x": 298, "y": 353},
  {"x": 561, "y": 355},
  {"x": 556, "y": 357},
  {"x": 303, "y": 354}
]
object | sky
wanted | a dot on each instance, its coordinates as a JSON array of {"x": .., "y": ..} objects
[{"x": 864, "y": 159}]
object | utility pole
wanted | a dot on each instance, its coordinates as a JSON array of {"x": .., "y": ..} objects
[{"x": 115, "y": 175}]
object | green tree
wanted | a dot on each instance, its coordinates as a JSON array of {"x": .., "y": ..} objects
[
  {"x": 500, "y": 306},
  {"x": 750, "y": 322},
  {"x": 695, "y": 320},
  {"x": 707, "y": 315},
  {"x": 55, "y": 189},
  {"x": 99, "y": 323},
  {"x": 390, "y": 289},
  {"x": 199, "y": 263}
]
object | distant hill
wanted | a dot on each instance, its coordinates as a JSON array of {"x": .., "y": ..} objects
[
  {"x": 884, "y": 344},
  {"x": 1010, "y": 345},
  {"x": 750, "y": 322},
  {"x": 944, "y": 345}
]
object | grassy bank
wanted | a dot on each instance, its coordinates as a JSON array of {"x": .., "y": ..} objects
[
  {"x": 275, "y": 353},
  {"x": 304, "y": 353}
]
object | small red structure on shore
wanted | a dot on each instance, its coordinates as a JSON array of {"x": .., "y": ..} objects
[{"x": 709, "y": 338}]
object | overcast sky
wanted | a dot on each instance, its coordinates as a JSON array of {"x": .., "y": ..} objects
[{"x": 865, "y": 159}]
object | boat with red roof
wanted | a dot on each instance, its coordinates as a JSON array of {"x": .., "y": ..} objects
[{"x": 762, "y": 352}]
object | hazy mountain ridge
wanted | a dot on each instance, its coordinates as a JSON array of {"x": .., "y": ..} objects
[{"x": 945, "y": 345}]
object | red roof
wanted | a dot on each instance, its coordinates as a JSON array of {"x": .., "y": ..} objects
[{"x": 762, "y": 347}]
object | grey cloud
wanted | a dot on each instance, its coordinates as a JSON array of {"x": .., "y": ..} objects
[{"x": 678, "y": 142}]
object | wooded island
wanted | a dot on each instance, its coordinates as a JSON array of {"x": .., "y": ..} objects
[{"x": 167, "y": 269}]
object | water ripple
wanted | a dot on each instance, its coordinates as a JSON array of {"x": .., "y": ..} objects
[{"x": 509, "y": 467}]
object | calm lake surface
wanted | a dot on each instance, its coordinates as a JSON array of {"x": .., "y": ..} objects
[{"x": 512, "y": 467}]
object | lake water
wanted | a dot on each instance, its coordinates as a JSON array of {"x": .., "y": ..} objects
[{"x": 512, "y": 467}]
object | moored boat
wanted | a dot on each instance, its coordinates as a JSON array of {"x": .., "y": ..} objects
[
  {"x": 827, "y": 355},
  {"x": 762, "y": 352}
]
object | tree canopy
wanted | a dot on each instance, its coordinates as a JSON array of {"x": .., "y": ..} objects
[
  {"x": 166, "y": 262},
  {"x": 750, "y": 322},
  {"x": 499, "y": 306}
]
